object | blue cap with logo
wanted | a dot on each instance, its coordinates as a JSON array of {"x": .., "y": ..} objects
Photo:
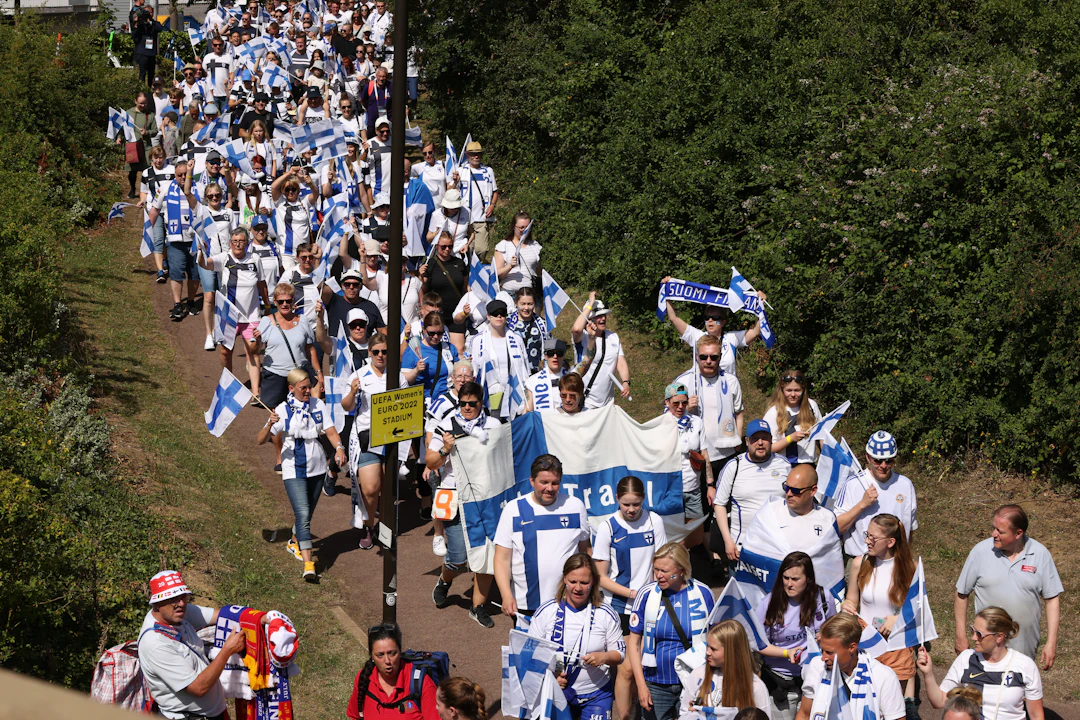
[{"x": 758, "y": 426}]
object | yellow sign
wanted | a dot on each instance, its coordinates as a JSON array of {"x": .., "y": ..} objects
[{"x": 397, "y": 415}]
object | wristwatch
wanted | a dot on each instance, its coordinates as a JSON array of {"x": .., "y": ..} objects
[{"x": 442, "y": 452}]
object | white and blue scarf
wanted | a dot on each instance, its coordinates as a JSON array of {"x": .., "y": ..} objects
[
  {"x": 177, "y": 213},
  {"x": 654, "y": 607}
]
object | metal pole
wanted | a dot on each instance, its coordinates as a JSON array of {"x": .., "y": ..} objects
[{"x": 393, "y": 321}]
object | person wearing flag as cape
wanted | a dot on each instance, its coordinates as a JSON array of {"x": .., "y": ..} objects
[
  {"x": 179, "y": 677},
  {"x": 716, "y": 319},
  {"x": 878, "y": 489},
  {"x": 782, "y": 525},
  {"x": 501, "y": 365},
  {"x": 589, "y": 635},
  {"x": 878, "y": 583},
  {"x": 867, "y": 687},
  {"x": 795, "y": 608}
]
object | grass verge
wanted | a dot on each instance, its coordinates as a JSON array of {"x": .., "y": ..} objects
[{"x": 213, "y": 509}]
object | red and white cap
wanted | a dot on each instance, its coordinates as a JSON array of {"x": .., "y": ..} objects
[
  {"x": 166, "y": 585},
  {"x": 281, "y": 636}
]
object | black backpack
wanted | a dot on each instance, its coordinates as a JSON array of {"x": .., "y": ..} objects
[{"x": 435, "y": 665}]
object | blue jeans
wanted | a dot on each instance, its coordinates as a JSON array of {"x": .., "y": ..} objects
[
  {"x": 413, "y": 85},
  {"x": 304, "y": 496},
  {"x": 456, "y": 558},
  {"x": 665, "y": 701}
]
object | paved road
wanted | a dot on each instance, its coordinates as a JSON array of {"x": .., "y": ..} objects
[{"x": 473, "y": 649}]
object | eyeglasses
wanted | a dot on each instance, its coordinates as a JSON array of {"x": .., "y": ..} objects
[
  {"x": 978, "y": 635},
  {"x": 378, "y": 353},
  {"x": 469, "y": 403},
  {"x": 714, "y": 358},
  {"x": 346, "y": 107},
  {"x": 679, "y": 403},
  {"x": 305, "y": 258},
  {"x": 283, "y": 301},
  {"x": 241, "y": 242},
  {"x": 796, "y": 491},
  {"x": 871, "y": 539}
]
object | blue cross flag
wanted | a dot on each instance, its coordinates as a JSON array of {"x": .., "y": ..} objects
[{"x": 229, "y": 399}]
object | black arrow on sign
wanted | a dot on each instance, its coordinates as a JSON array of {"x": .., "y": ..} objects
[{"x": 398, "y": 431}]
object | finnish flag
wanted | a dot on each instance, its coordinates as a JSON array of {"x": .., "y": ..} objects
[
  {"x": 226, "y": 320},
  {"x": 336, "y": 389},
  {"x": 915, "y": 622},
  {"x": 450, "y": 162},
  {"x": 230, "y": 397},
  {"x": 730, "y": 605},
  {"x": 827, "y": 423},
  {"x": 216, "y": 131},
  {"x": 483, "y": 280},
  {"x": 835, "y": 467},
  {"x": 237, "y": 155},
  {"x": 146, "y": 247},
  {"x": 117, "y": 211},
  {"x": 555, "y": 299},
  {"x": 553, "y": 705},
  {"x": 525, "y": 662}
]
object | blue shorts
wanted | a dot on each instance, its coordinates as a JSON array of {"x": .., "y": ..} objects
[
  {"x": 593, "y": 707},
  {"x": 210, "y": 280},
  {"x": 457, "y": 557},
  {"x": 157, "y": 235},
  {"x": 181, "y": 263}
]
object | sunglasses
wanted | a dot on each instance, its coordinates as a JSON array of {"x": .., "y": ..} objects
[
  {"x": 885, "y": 461},
  {"x": 978, "y": 635},
  {"x": 214, "y": 197},
  {"x": 714, "y": 358},
  {"x": 350, "y": 285},
  {"x": 283, "y": 301},
  {"x": 444, "y": 247},
  {"x": 346, "y": 107},
  {"x": 469, "y": 403},
  {"x": 568, "y": 396},
  {"x": 429, "y": 152},
  {"x": 794, "y": 378},
  {"x": 357, "y": 325},
  {"x": 796, "y": 491},
  {"x": 552, "y": 353},
  {"x": 434, "y": 333},
  {"x": 713, "y": 318},
  {"x": 679, "y": 403},
  {"x": 378, "y": 353},
  {"x": 306, "y": 258}
]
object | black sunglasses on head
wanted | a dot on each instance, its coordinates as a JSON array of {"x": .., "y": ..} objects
[{"x": 794, "y": 378}]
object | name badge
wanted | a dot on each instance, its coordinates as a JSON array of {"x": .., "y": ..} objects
[{"x": 1027, "y": 568}]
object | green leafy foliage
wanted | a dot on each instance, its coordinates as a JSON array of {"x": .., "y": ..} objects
[{"x": 901, "y": 179}]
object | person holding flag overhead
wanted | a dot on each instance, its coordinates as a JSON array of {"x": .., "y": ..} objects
[
  {"x": 669, "y": 615},
  {"x": 878, "y": 489},
  {"x": 716, "y": 318},
  {"x": 796, "y": 608},
  {"x": 878, "y": 583},
  {"x": 299, "y": 421},
  {"x": 845, "y": 675},
  {"x": 476, "y": 183},
  {"x": 600, "y": 378}
]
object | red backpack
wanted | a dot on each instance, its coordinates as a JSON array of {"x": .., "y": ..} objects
[{"x": 118, "y": 679}]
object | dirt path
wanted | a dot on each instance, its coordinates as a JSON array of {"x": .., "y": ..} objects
[{"x": 473, "y": 649}]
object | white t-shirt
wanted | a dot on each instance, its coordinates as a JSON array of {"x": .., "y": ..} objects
[
  {"x": 590, "y": 629},
  {"x": 477, "y": 186},
  {"x": 224, "y": 221},
  {"x": 1016, "y": 679},
  {"x": 748, "y": 485},
  {"x": 369, "y": 383},
  {"x": 802, "y": 529},
  {"x": 293, "y": 224},
  {"x": 896, "y": 496},
  {"x": 729, "y": 346},
  {"x": 218, "y": 68},
  {"x": 169, "y": 666},
  {"x": 610, "y": 349},
  {"x": 540, "y": 543},
  {"x": 635, "y": 542},
  {"x": 890, "y": 698},
  {"x": 716, "y": 696},
  {"x": 691, "y": 438},
  {"x": 527, "y": 268},
  {"x": 477, "y": 309},
  {"x": 457, "y": 225},
  {"x": 434, "y": 176},
  {"x": 240, "y": 279},
  {"x": 410, "y": 297},
  {"x": 719, "y": 400},
  {"x": 807, "y": 449}
]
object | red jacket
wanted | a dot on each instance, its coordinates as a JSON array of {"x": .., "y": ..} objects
[{"x": 374, "y": 711}]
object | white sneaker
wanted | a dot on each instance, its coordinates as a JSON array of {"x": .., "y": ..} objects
[
  {"x": 209, "y": 344},
  {"x": 438, "y": 546}
]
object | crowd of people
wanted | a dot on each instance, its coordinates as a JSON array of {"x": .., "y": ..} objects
[{"x": 621, "y": 600}]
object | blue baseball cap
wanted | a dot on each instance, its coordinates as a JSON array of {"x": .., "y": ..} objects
[{"x": 758, "y": 426}]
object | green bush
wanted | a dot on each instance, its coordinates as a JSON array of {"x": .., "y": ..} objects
[
  {"x": 75, "y": 544},
  {"x": 900, "y": 178}
]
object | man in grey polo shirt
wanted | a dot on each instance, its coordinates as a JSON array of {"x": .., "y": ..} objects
[
  {"x": 180, "y": 678},
  {"x": 1011, "y": 571}
]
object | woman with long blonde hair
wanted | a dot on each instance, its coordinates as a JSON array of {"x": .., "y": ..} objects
[
  {"x": 727, "y": 679},
  {"x": 791, "y": 414}
]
